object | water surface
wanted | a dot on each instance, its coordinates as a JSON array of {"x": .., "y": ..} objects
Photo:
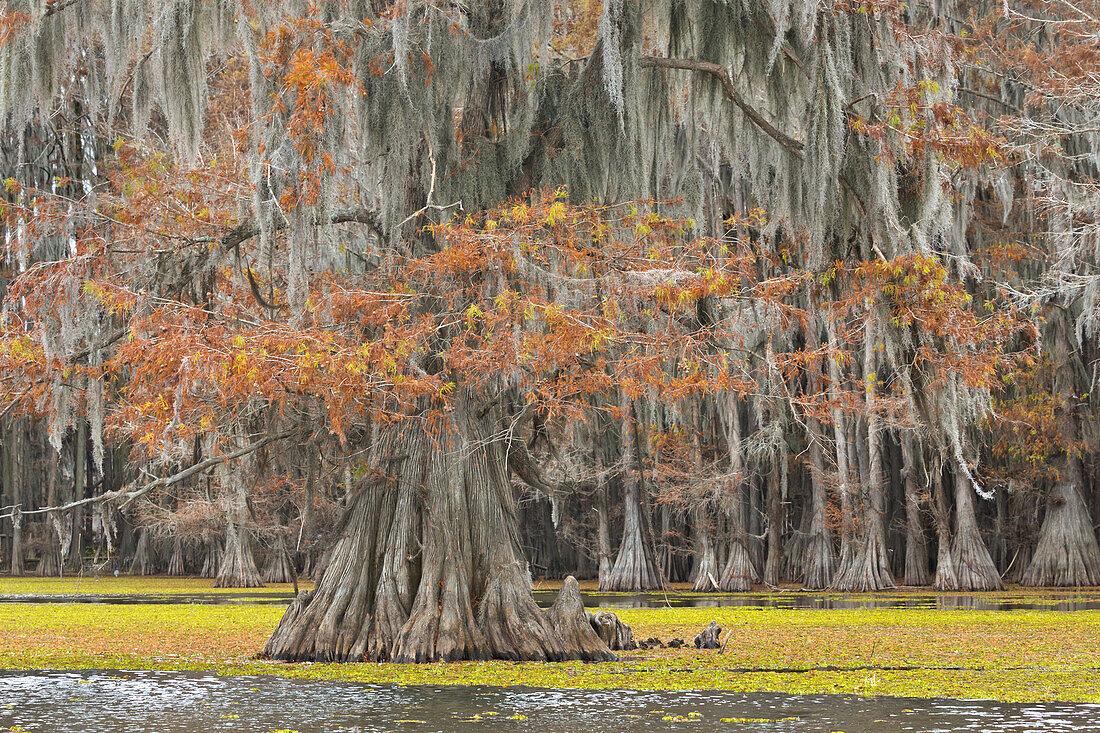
[
  {"x": 171, "y": 702},
  {"x": 545, "y": 598}
]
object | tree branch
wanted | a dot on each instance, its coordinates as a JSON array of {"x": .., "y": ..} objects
[
  {"x": 720, "y": 72},
  {"x": 249, "y": 229},
  {"x": 129, "y": 496}
]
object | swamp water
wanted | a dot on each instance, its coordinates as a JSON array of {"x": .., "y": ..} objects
[
  {"x": 170, "y": 702},
  {"x": 545, "y": 598}
]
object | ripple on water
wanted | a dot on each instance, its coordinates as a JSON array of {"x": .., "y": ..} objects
[{"x": 171, "y": 702}]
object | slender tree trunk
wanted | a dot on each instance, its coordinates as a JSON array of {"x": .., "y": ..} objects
[
  {"x": 840, "y": 438},
  {"x": 80, "y": 467},
  {"x": 428, "y": 566},
  {"x": 916, "y": 549},
  {"x": 13, "y": 473},
  {"x": 739, "y": 573},
  {"x": 776, "y": 484},
  {"x": 819, "y": 559},
  {"x": 706, "y": 570},
  {"x": 49, "y": 562},
  {"x": 603, "y": 527}
]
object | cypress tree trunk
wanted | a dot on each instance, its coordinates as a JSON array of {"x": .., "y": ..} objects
[
  {"x": 13, "y": 477},
  {"x": 870, "y": 566},
  {"x": 176, "y": 562},
  {"x": 840, "y": 438},
  {"x": 945, "y": 579},
  {"x": 819, "y": 558},
  {"x": 17, "y": 542},
  {"x": 634, "y": 568},
  {"x": 144, "y": 562},
  {"x": 603, "y": 527},
  {"x": 237, "y": 568},
  {"x": 49, "y": 563},
  {"x": 278, "y": 568},
  {"x": 776, "y": 484},
  {"x": 973, "y": 565},
  {"x": 212, "y": 554},
  {"x": 428, "y": 566},
  {"x": 1067, "y": 553},
  {"x": 916, "y": 549},
  {"x": 705, "y": 573},
  {"x": 80, "y": 464},
  {"x": 706, "y": 565},
  {"x": 739, "y": 573}
]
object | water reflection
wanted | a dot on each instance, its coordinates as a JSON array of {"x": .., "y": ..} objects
[
  {"x": 545, "y": 598},
  {"x": 194, "y": 703}
]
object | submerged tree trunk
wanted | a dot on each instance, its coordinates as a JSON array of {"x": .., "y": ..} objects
[
  {"x": 974, "y": 567},
  {"x": 916, "y": 549},
  {"x": 635, "y": 568},
  {"x": 428, "y": 566}
]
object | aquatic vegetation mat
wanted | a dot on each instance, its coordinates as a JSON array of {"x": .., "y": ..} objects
[{"x": 1018, "y": 656}]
